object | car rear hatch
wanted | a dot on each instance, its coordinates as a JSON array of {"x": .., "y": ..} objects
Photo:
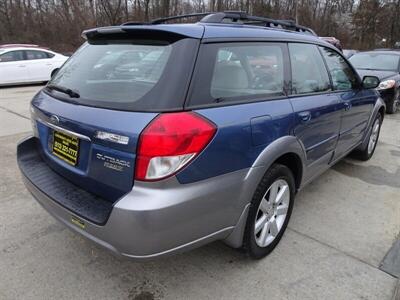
[{"x": 89, "y": 117}]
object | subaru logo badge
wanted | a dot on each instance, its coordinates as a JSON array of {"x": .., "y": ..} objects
[{"x": 54, "y": 119}]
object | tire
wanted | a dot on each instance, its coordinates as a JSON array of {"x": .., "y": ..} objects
[
  {"x": 53, "y": 72},
  {"x": 373, "y": 138},
  {"x": 393, "y": 105},
  {"x": 261, "y": 241}
]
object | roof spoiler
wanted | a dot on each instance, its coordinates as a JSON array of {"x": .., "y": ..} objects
[{"x": 139, "y": 32}]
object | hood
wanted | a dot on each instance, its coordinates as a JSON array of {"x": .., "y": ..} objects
[{"x": 380, "y": 74}]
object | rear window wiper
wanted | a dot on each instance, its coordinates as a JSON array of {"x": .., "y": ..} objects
[
  {"x": 63, "y": 90},
  {"x": 221, "y": 99}
]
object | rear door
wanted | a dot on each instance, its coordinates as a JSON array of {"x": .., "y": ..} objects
[
  {"x": 39, "y": 65},
  {"x": 316, "y": 108},
  {"x": 13, "y": 67},
  {"x": 355, "y": 104},
  {"x": 90, "y": 136}
]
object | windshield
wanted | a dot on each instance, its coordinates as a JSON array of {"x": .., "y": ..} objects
[
  {"x": 125, "y": 76},
  {"x": 375, "y": 61}
]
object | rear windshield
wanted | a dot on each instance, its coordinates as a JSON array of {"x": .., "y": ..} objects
[{"x": 136, "y": 76}]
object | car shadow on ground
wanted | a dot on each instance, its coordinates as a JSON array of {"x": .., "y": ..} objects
[{"x": 370, "y": 174}]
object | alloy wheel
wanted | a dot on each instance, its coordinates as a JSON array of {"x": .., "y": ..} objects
[{"x": 272, "y": 213}]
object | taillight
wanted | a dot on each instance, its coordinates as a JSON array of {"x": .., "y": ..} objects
[{"x": 169, "y": 143}]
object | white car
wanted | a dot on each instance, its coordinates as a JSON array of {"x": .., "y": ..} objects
[{"x": 27, "y": 64}]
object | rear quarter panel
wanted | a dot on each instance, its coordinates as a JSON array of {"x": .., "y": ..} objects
[{"x": 244, "y": 131}]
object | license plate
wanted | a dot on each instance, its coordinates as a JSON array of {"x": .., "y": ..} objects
[{"x": 66, "y": 147}]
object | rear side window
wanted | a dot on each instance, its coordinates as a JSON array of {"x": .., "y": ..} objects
[
  {"x": 238, "y": 72},
  {"x": 12, "y": 56},
  {"x": 131, "y": 75},
  {"x": 343, "y": 77},
  {"x": 33, "y": 54},
  {"x": 309, "y": 73}
]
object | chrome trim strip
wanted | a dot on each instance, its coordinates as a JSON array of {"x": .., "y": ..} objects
[{"x": 55, "y": 127}]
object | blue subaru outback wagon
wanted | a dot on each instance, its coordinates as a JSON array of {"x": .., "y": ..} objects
[{"x": 156, "y": 138}]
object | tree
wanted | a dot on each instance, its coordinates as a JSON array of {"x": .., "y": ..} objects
[{"x": 59, "y": 23}]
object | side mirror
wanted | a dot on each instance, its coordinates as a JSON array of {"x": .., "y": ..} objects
[
  {"x": 370, "y": 82},
  {"x": 55, "y": 71}
]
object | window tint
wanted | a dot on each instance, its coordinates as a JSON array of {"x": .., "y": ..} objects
[
  {"x": 33, "y": 54},
  {"x": 238, "y": 72},
  {"x": 309, "y": 74},
  {"x": 247, "y": 70},
  {"x": 149, "y": 75},
  {"x": 343, "y": 77},
  {"x": 12, "y": 56}
]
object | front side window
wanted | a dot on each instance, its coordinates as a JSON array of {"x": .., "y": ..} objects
[
  {"x": 12, "y": 56},
  {"x": 309, "y": 74},
  {"x": 238, "y": 72},
  {"x": 343, "y": 77}
]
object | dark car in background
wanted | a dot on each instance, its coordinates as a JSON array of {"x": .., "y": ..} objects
[{"x": 384, "y": 64}]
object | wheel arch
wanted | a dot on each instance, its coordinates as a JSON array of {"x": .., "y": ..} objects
[
  {"x": 295, "y": 165},
  {"x": 382, "y": 111},
  {"x": 379, "y": 108},
  {"x": 53, "y": 72},
  {"x": 287, "y": 151}
]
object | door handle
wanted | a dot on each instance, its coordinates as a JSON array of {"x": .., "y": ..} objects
[
  {"x": 347, "y": 105},
  {"x": 22, "y": 66},
  {"x": 305, "y": 116}
]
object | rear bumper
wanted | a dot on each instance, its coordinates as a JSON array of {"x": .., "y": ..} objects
[{"x": 156, "y": 219}]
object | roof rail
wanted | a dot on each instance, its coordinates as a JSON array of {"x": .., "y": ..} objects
[
  {"x": 166, "y": 19},
  {"x": 134, "y": 23},
  {"x": 244, "y": 18},
  {"x": 240, "y": 17}
]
